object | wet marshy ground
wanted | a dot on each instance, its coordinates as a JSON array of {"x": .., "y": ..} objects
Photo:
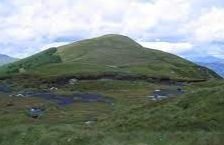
[
  {"x": 5, "y": 88},
  {"x": 161, "y": 94},
  {"x": 51, "y": 94},
  {"x": 65, "y": 99},
  {"x": 54, "y": 107},
  {"x": 82, "y": 101}
]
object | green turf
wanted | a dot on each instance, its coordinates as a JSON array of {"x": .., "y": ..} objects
[{"x": 194, "y": 118}]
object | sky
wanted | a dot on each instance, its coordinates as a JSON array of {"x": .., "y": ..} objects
[{"x": 183, "y": 27}]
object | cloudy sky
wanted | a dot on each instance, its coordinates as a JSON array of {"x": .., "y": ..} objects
[{"x": 193, "y": 27}]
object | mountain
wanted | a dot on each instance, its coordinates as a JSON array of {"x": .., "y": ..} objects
[
  {"x": 108, "y": 54},
  {"x": 216, "y": 66},
  {"x": 4, "y": 59},
  {"x": 204, "y": 59},
  {"x": 214, "y": 63},
  {"x": 43, "y": 100}
]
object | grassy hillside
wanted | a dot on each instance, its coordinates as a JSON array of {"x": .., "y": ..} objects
[
  {"x": 125, "y": 113},
  {"x": 31, "y": 62},
  {"x": 108, "y": 54}
]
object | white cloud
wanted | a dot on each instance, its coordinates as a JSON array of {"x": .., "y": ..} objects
[
  {"x": 209, "y": 26},
  {"x": 55, "y": 44},
  {"x": 54, "y": 18},
  {"x": 168, "y": 46},
  {"x": 144, "y": 20},
  {"x": 26, "y": 26}
]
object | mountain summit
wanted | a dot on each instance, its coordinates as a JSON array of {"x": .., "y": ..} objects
[{"x": 108, "y": 54}]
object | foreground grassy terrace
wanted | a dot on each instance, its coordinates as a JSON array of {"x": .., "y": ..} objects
[{"x": 194, "y": 118}]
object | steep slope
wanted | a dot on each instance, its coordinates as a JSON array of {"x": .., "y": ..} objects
[
  {"x": 109, "y": 54},
  {"x": 4, "y": 59}
]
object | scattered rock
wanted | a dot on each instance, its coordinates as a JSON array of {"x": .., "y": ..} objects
[
  {"x": 22, "y": 70},
  {"x": 36, "y": 112},
  {"x": 69, "y": 139},
  {"x": 20, "y": 95},
  {"x": 89, "y": 122},
  {"x": 165, "y": 93},
  {"x": 53, "y": 88},
  {"x": 157, "y": 97},
  {"x": 73, "y": 81},
  {"x": 112, "y": 66}
]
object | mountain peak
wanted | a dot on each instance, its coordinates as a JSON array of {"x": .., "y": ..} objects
[
  {"x": 114, "y": 36},
  {"x": 116, "y": 39}
]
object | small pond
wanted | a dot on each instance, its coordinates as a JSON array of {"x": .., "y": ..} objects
[{"x": 67, "y": 99}]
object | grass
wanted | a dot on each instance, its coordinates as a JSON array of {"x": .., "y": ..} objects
[
  {"x": 132, "y": 119},
  {"x": 195, "y": 118},
  {"x": 70, "y": 135},
  {"x": 31, "y": 62}
]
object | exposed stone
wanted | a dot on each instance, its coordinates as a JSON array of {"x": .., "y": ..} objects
[{"x": 73, "y": 81}]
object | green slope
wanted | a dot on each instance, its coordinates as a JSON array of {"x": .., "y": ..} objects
[{"x": 108, "y": 54}]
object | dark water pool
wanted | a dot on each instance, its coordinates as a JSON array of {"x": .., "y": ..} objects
[
  {"x": 69, "y": 99},
  {"x": 5, "y": 88}
]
